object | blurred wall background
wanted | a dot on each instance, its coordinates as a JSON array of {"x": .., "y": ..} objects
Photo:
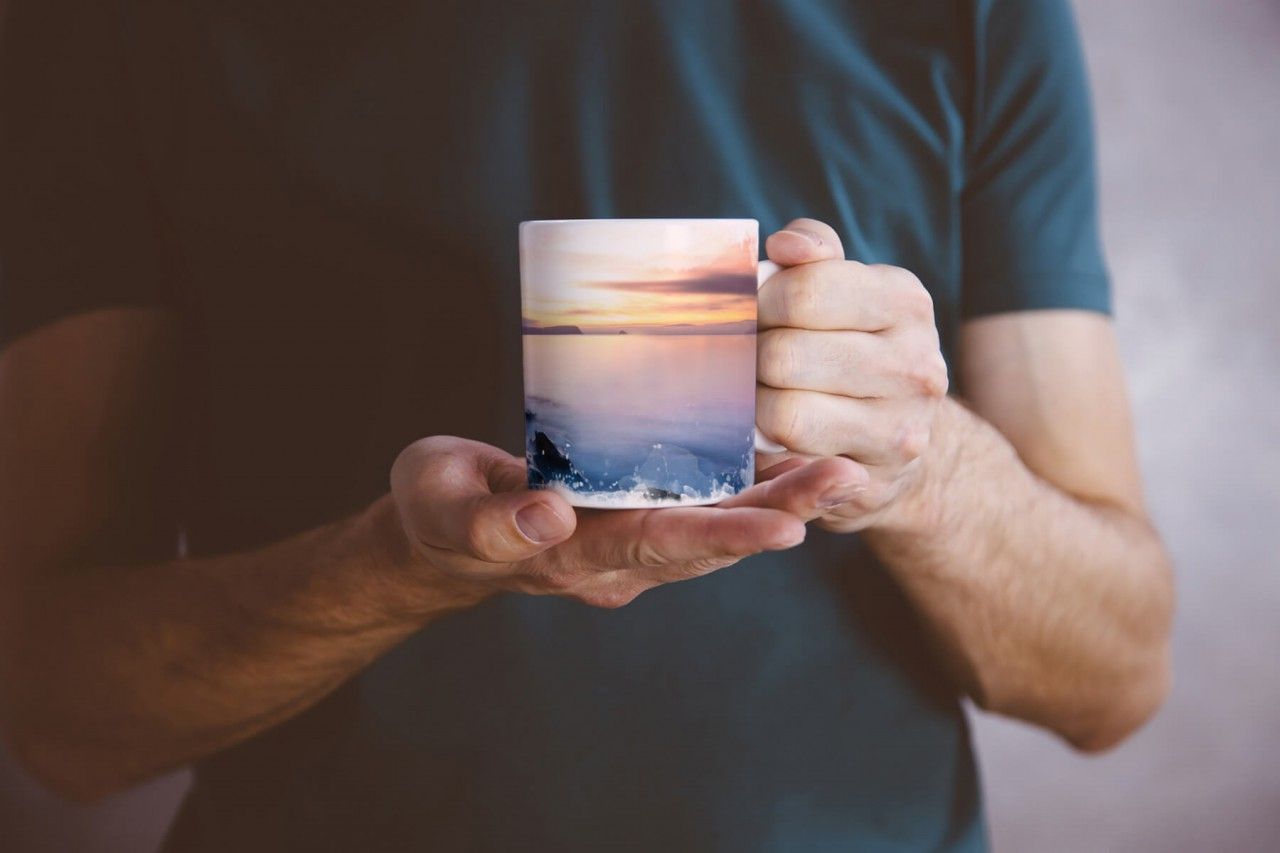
[
  {"x": 1188, "y": 104},
  {"x": 1187, "y": 94}
]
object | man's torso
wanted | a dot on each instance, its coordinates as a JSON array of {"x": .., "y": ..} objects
[{"x": 341, "y": 187}]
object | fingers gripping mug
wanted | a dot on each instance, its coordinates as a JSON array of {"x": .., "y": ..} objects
[{"x": 640, "y": 358}]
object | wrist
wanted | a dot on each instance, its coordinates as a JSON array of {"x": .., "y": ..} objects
[
  {"x": 920, "y": 509},
  {"x": 411, "y": 585}
]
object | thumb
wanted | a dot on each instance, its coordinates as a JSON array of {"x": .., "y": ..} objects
[
  {"x": 461, "y": 496},
  {"x": 804, "y": 241}
]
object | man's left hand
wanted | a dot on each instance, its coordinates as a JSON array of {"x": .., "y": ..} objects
[{"x": 849, "y": 365}]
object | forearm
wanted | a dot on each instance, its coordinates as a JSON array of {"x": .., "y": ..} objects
[
  {"x": 1047, "y": 607},
  {"x": 112, "y": 674}
]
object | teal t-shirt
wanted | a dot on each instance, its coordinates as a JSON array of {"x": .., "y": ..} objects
[{"x": 327, "y": 196}]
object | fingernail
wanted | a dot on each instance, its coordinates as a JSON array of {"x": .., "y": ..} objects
[
  {"x": 840, "y": 494},
  {"x": 539, "y": 523},
  {"x": 811, "y": 236}
]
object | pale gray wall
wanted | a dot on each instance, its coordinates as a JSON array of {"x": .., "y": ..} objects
[
  {"x": 1188, "y": 103},
  {"x": 1188, "y": 97}
]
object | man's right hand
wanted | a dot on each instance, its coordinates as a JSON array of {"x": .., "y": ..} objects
[
  {"x": 119, "y": 659},
  {"x": 467, "y": 515}
]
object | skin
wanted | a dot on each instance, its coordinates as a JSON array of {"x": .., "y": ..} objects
[
  {"x": 118, "y": 661},
  {"x": 1015, "y": 523},
  {"x": 1015, "y": 526}
]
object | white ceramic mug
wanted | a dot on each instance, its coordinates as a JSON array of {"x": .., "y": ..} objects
[{"x": 640, "y": 358}]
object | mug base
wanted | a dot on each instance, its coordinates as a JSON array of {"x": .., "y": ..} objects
[{"x": 631, "y": 499}]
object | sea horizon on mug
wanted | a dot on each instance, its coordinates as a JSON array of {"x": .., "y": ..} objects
[{"x": 639, "y": 359}]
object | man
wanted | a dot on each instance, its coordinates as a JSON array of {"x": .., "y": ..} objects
[{"x": 252, "y": 253}]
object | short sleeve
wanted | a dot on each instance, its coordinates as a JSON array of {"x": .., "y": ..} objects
[
  {"x": 1029, "y": 202},
  {"x": 77, "y": 224}
]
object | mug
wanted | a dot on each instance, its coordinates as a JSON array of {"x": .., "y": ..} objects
[{"x": 639, "y": 340}]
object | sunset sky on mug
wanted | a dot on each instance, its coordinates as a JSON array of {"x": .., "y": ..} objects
[{"x": 639, "y": 275}]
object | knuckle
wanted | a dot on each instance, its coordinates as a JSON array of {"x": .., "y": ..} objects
[
  {"x": 919, "y": 304},
  {"x": 425, "y": 456},
  {"x": 645, "y": 554},
  {"x": 434, "y": 443},
  {"x": 707, "y": 565},
  {"x": 403, "y": 463},
  {"x": 926, "y": 375},
  {"x": 941, "y": 381},
  {"x": 407, "y": 470},
  {"x": 911, "y": 443},
  {"x": 927, "y": 379},
  {"x": 647, "y": 549},
  {"x": 916, "y": 298},
  {"x": 872, "y": 499},
  {"x": 478, "y": 539},
  {"x": 777, "y": 356},
  {"x": 886, "y": 271},
  {"x": 418, "y": 449},
  {"x": 853, "y": 509},
  {"x": 787, "y": 422}
]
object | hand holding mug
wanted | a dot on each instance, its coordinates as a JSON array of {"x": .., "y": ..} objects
[
  {"x": 470, "y": 522},
  {"x": 849, "y": 365}
]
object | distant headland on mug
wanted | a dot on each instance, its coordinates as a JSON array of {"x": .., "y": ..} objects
[{"x": 639, "y": 359}]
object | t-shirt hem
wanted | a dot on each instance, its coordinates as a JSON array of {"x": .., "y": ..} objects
[{"x": 1038, "y": 292}]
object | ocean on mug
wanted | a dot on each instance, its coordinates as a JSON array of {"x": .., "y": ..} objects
[{"x": 640, "y": 359}]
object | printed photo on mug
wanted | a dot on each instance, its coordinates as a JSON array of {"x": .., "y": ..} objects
[{"x": 639, "y": 359}]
